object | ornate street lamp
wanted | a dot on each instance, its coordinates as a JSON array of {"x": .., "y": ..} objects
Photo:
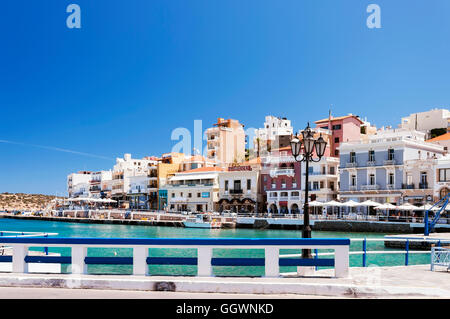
[{"x": 309, "y": 144}]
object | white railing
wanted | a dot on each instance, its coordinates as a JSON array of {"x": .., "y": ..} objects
[{"x": 204, "y": 259}]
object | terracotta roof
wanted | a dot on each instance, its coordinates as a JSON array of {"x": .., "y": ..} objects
[
  {"x": 338, "y": 118},
  {"x": 443, "y": 137},
  {"x": 204, "y": 169}
]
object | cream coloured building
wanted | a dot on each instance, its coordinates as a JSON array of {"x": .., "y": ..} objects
[
  {"x": 195, "y": 190},
  {"x": 226, "y": 142}
]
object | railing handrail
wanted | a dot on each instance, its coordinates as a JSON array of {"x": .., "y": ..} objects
[{"x": 179, "y": 241}]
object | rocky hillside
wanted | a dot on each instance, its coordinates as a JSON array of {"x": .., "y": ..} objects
[{"x": 24, "y": 202}]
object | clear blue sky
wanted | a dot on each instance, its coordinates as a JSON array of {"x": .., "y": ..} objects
[{"x": 138, "y": 69}]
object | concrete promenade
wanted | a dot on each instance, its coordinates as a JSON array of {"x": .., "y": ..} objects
[{"x": 370, "y": 282}]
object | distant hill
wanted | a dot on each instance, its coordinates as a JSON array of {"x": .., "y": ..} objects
[{"x": 24, "y": 202}]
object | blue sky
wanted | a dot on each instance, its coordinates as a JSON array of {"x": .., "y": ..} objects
[{"x": 138, "y": 69}]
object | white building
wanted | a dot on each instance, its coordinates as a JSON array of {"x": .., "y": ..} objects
[
  {"x": 100, "y": 184},
  {"x": 426, "y": 121},
  {"x": 442, "y": 181},
  {"x": 78, "y": 184},
  {"x": 196, "y": 190},
  {"x": 323, "y": 179},
  {"x": 274, "y": 128},
  {"x": 124, "y": 173},
  {"x": 394, "y": 166}
]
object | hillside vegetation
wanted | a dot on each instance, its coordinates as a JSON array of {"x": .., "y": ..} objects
[{"x": 24, "y": 202}]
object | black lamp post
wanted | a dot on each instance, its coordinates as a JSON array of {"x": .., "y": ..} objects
[{"x": 309, "y": 144}]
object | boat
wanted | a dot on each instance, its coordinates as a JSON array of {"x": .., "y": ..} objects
[{"x": 199, "y": 222}]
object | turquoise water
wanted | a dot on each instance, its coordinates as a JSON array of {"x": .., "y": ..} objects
[{"x": 104, "y": 230}]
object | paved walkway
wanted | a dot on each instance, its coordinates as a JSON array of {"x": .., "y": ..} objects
[
  {"x": 370, "y": 282},
  {"x": 64, "y": 293}
]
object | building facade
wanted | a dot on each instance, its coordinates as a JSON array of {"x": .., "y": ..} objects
[
  {"x": 226, "y": 142},
  {"x": 342, "y": 129},
  {"x": 195, "y": 190},
  {"x": 281, "y": 182},
  {"x": 239, "y": 189},
  {"x": 392, "y": 166},
  {"x": 275, "y": 134}
]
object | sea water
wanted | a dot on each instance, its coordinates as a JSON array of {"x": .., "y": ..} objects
[{"x": 65, "y": 229}]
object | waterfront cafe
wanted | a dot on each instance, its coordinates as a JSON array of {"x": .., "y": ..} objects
[{"x": 87, "y": 203}]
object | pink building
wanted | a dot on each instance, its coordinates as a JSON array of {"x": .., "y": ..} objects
[{"x": 343, "y": 129}]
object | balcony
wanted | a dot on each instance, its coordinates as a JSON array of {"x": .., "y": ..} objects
[
  {"x": 371, "y": 163},
  {"x": 408, "y": 186},
  {"x": 351, "y": 164},
  {"x": 389, "y": 162},
  {"x": 353, "y": 188},
  {"x": 282, "y": 172},
  {"x": 370, "y": 187},
  {"x": 390, "y": 187},
  {"x": 236, "y": 191},
  {"x": 423, "y": 185}
]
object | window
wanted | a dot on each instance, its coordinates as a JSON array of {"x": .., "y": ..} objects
[
  {"x": 371, "y": 179},
  {"x": 190, "y": 195},
  {"x": 249, "y": 183},
  {"x": 173, "y": 194},
  {"x": 332, "y": 172},
  {"x": 391, "y": 179},
  {"x": 423, "y": 177},
  {"x": 237, "y": 184},
  {"x": 371, "y": 156},
  {"x": 337, "y": 127},
  {"x": 390, "y": 154},
  {"x": 444, "y": 175},
  {"x": 336, "y": 152},
  {"x": 315, "y": 185},
  {"x": 353, "y": 180},
  {"x": 226, "y": 185},
  {"x": 199, "y": 195},
  {"x": 336, "y": 139},
  {"x": 352, "y": 157}
]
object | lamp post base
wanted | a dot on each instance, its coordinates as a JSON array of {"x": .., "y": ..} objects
[{"x": 306, "y": 253}]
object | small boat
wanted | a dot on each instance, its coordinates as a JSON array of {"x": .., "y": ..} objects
[{"x": 199, "y": 222}]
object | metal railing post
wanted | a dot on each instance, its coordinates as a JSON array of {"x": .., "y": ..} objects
[
  {"x": 365, "y": 252},
  {"x": 316, "y": 256},
  {"x": 407, "y": 253}
]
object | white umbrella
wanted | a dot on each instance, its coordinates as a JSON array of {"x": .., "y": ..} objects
[
  {"x": 369, "y": 203},
  {"x": 351, "y": 203},
  {"x": 386, "y": 206},
  {"x": 315, "y": 203},
  {"x": 333, "y": 203},
  {"x": 407, "y": 206}
]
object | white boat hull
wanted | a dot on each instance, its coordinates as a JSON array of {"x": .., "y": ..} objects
[{"x": 197, "y": 225}]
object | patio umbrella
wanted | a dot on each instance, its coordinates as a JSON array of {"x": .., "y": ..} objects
[
  {"x": 407, "y": 206},
  {"x": 351, "y": 203},
  {"x": 427, "y": 207},
  {"x": 386, "y": 206},
  {"x": 369, "y": 203}
]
